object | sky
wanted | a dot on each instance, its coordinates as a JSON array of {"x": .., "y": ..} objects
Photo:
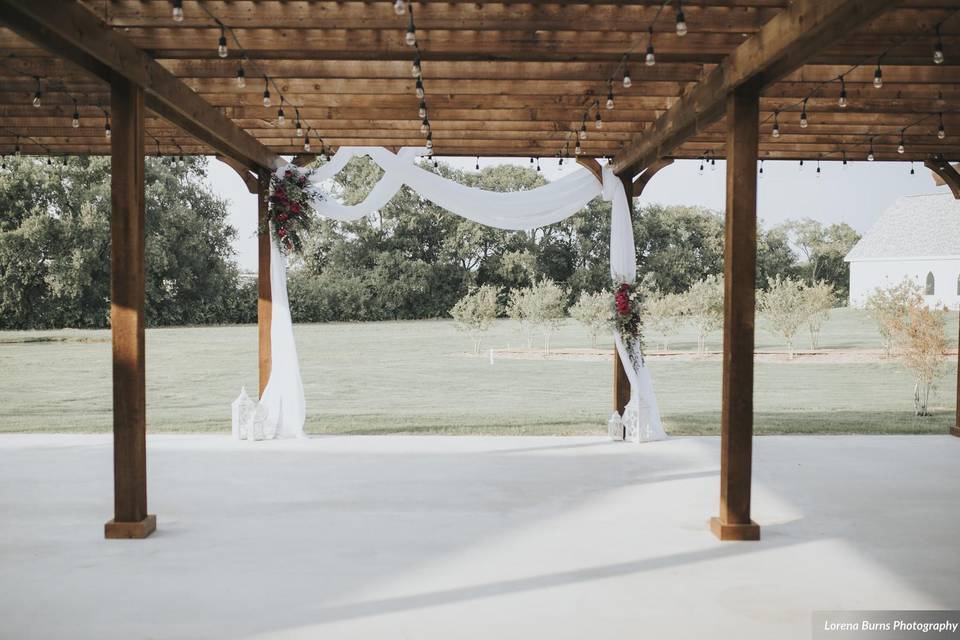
[{"x": 856, "y": 195}]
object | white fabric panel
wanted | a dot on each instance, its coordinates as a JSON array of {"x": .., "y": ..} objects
[
  {"x": 283, "y": 397},
  {"x": 522, "y": 210}
]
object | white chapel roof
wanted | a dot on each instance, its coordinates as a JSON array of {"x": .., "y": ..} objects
[{"x": 914, "y": 227}]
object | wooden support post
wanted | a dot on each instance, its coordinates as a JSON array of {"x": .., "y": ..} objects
[
  {"x": 740, "y": 264},
  {"x": 955, "y": 429},
  {"x": 130, "y": 519},
  {"x": 265, "y": 295}
]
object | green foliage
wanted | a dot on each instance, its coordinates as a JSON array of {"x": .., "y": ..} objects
[
  {"x": 592, "y": 310},
  {"x": 818, "y": 299},
  {"x": 703, "y": 305},
  {"x": 475, "y": 312},
  {"x": 823, "y": 248},
  {"x": 665, "y": 315},
  {"x": 783, "y": 306},
  {"x": 546, "y": 308},
  {"x": 889, "y": 306},
  {"x": 55, "y": 245},
  {"x": 921, "y": 340}
]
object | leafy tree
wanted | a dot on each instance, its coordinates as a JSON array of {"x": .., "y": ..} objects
[
  {"x": 817, "y": 301},
  {"x": 592, "y": 310},
  {"x": 546, "y": 308},
  {"x": 520, "y": 308},
  {"x": 783, "y": 306},
  {"x": 703, "y": 304},
  {"x": 678, "y": 246},
  {"x": 921, "y": 340},
  {"x": 665, "y": 315},
  {"x": 475, "y": 312},
  {"x": 823, "y": 249},
  {"x": 888, "y": 307}
]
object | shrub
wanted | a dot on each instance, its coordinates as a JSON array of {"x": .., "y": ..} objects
[
  {"x": 592, "y": 310},
  {"x": 475, "y": 312},
  {"x": 888, "y": 307},
  {"x": 783, "y": 305},
  {"x": 664, "y": 316},
  {"x": 703, "y": 303}
]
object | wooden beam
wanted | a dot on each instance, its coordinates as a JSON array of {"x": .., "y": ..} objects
[
  {"x": 303, "y": 159},
  {"x": 783, "y": 44},
  {"x": 591, "y": 165},
  {"x": 644, "y": 178},
  {"x": 955, "y": 429},
  {"x": 265, "y": 294},
  {"x": 69, "y": 30},
  {"x": 621, "y": 383},
  {"x": 249, "y": 179},
  {"x": 130, "y": 519},
  {"x": 739, "y": 268},
  {"x": 947, "y": 174}
]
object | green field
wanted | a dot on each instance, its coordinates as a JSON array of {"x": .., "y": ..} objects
[{"x": 416, "y": 377}]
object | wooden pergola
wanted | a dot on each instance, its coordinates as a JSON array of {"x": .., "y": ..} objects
[{"x": 744, "y": 80}]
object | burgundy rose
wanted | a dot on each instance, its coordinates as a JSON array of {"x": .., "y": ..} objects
[
  {"x": 282, "y": 232},
  {"x": 282, "y": 217},
  {"x": 295, "y": 207}
]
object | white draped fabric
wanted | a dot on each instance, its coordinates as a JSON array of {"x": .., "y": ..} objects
[{"x": 521, "y": 210}]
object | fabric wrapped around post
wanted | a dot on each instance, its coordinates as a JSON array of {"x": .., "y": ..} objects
[{"x": 521, "y": 210}]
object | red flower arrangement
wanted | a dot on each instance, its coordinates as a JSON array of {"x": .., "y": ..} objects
[
  {"x": 290, "y": 213},
  {"x": 628, "y": 319}
]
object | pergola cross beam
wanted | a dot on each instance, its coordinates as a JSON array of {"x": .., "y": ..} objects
[
  {"x": 71, "y": 31},
  {"x": 782, "y": 45}
]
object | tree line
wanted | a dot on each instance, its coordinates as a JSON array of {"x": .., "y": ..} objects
[{"x": 409, "y": 260}]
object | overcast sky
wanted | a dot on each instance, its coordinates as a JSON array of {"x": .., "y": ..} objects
[{"x": 855, "y": 195}]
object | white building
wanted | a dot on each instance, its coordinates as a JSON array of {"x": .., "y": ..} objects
[{"x": 917, "y": 238}]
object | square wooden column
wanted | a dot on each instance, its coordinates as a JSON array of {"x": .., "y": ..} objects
[
  {"x": 265, "y": 295},
  {"x": 955, "y": 429},
  {"x": 621, "y": 383},
  {"x": 739, "y": 300},
  {"x": 130, "y": 519}
]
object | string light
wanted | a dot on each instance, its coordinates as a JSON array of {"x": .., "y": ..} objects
[
  {"x": 912, "y": 172},
  {"x": 419, "y": 89},
  {"x": 597, "y": 120},
  {"x": 477, "y": 166},
  {"x": 801, "y": 166},
  {"x": 842, "y": 101},
  {"x": 37, "y": 95},
  {"x": 776, "y": 124},
  {"x": 298, "y": 124},
  {"x": 761, "y": 169},
  {"x": 430, "y": 140},
  {"x": 878, "y": 77},
  {"x": 106, "y": 126},
  {"x": 281, "y": 117},
  {"x": 609, "y": 96},
  {"x": 416, "y": 70},
  {"x": 425, "y": 126},
  {"x": 900, "y": 147},
  {"x": 241, "y": 77},
  {"x": 76, "y": 116},
  {"x": 818, "y": 167},
  {"x": 306, "y": 142},
  {"x": 870, "y": 156},
  {"x": 16, "y": 148},
  {"x": 803, "y": 115},
  {"x": 627, "y": 81},
  {"x": 178, "y": 10},
  {"x": 400, "y": 7},
  {"x": 266, "y": 92},
  {"x": 941, "y": 132},
  {"x": 938, "y": 49},
  {"x": 578, "y": 149},
  {"x": 538, "y": 165},
  {"x": 701, "y": 165},
  {"x": 843, "y": 155},
  {"x": 650, "y": 58},
  {"x": 422, "y": 111},
  {"x": 222, "y": 43},
  {"x": 713, "y": 162},
  {"x": 411, "y": 37},
  {"x": 681, "y": 20}
]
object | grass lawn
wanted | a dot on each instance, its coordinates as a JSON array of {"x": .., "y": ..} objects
[{"x": 415, "y": 377}]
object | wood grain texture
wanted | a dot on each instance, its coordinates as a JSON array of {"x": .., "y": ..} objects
[
  {"x": 264, "y": 292},
  {"x": 740, "y": 265},
  {"x": 127, "y": 305}
]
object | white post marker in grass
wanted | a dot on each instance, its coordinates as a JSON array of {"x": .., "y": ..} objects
[{"x": 491, "y": 356}]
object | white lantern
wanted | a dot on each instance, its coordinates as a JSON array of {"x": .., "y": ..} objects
[
  {"x": 615, "y": 427},
  {"x": 243, "y": 410}
]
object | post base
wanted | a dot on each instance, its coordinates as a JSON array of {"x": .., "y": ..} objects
[
  {"x": 114, "y": 530},
  {"x": 741, "y": 532},
  {"x": 955, "y": 431}
]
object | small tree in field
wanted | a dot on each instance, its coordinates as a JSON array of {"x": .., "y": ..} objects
[
  {"x": 783, "y": 305},
  {"x": 664, "y": 316},
  {"x": 817, "y": 301},
  {"x": 703, "y": 303},
  {"x": 592, "y": 310},
  {"x": 547, "y": 308},
  {"x": 888, "y": 307},
  {"x": 921, "y": 341},
  {"x": 519, "y": 308},
  {"x": 475, "y": 312}
]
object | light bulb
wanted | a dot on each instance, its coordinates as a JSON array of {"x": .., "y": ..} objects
[
  {"x": 627, "y": 82},
  {"x": 650, "y": 58},
  {"x": 701, "y": 167},
  {"x": 938, "y": 53},
  {"x": 106, "y": 131},
  {"x": 598, "y": 121},
  {"x": 912, "y": 172},
  {"x": 424, "y": 126},
  {"x": 803, "y": 120},
  {"x": 578, "y": 150},
  {"x": 610, "y": 100},
  {"x": 681, "y": 24},
  {"x": 76, "y": 120},
  {"x": 776, "y": 130},
  {"x": 178, "y": 10},
  {"x": 878, "y": 78},
  {"x": 422, "y": 112},
  {"x": 266, "y": 97},
  {"x": 306, "y": 144},
  {"x": 416, "y": 70},
  {"x": 583, "y": 132},
  {"x": 842, "y": 101},
  {"x": 429, "y": 142},
  {"x": 818, "y": 170},
  {"x": 420, "y": 92},
  {"x": 870, "y": 156},
  {"x": 222, "y": 46},
  {"x": 411, "y": 37},
  {"x": 281, "y": 118},
  {"x": 901, "y": 148},
  {"x": 400, "y": 7},
  {"x": 941, "y": 133},
  {"x": 801, "y": 166},
  {"x": 761, "y": 169},
  {"x": 36, "y": 100},
  {"x": 713, "y": 164},
  {"x": 299, "y": 129},
  {"x": 241, "y": 77},
  {"x": 477, "y": 166}
]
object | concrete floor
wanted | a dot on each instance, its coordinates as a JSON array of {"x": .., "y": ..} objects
[{"x": 446, "y": 537}]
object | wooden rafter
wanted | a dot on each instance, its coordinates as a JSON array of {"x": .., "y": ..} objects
[
  {"x": 71, "y": 31},
  {"x": 782, "y": 45},
  {"x": 948, "y": 175}
]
